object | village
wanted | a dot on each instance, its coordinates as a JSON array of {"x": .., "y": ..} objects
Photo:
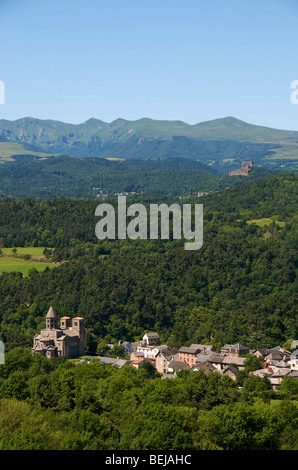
[
  {"x": 68, "y": 340},
  {"x": 277, "y": 363}
]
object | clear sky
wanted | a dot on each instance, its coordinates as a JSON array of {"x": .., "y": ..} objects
[{"x": 190, "y": 60}]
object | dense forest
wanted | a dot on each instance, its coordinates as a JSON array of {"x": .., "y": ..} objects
[
  {"x": 241, "y": 286},
  {"x": 64, "y": 176},
  {"x": 50, "y": 404}
]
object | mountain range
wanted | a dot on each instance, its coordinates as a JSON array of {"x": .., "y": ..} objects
[{"x": 222, "y": 143}]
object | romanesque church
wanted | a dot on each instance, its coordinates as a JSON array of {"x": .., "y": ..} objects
[{"x": 68, "y": 340}]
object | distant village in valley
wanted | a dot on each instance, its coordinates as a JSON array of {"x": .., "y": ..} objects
[
  {"x": 245, "y": 169},
  {"x": 277, "y": 362},
  {"x": 68, "y": 340}
]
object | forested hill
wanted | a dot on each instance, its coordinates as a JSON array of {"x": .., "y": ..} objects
[
  {"x": 241, "y": 286},
  {"x": 87, "y": 178}
]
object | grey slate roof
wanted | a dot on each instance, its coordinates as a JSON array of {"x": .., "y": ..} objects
[
  {"x": 178, "y": 365},
  {"x": 239, "y": 361},
  {"x": 190, "y": 350},
  {"x": 216, "y": 359},
  {"x": 227, "y": 346},
  {"x": 231, "y": 368},
  {"x": 151, "y": 335},
  {"x": 238, "y": 347}
]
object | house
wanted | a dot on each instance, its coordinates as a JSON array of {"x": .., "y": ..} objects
[
  {"x": 136, "y": 355},
  {"x": 277, "y": 377},
  {"x": 163, "y": 359},
  {"x": 283, "y": 352},
  {"x": 282, "y": 364},
  {"x": 274, "y": 356},
  {"x": 153, "y": 352},
  {"x": 188, "y": 354},
  {"x": 293, "y": 362},
  {"x": 237, "y": 350},
  {"x": 215, "y": 361},
  {"x": 150, "y": 339},
  {"x": 261, "y": 352},
  {"x": 231, "y": 372},
  {"x": 225, "y": 349},
  {"x": 262, "y": 372},
  {"x": 137, "y": 363},
  {"x": 127, "y": 347},
  {"x": 203, "y": 366},
  {"x": 149, "y": 352},
  {"x": 135, "y": 345},
  {"x": 237, "y": 361},
  {"x": 68, "y": 340},
  {"x": 203, "y": 358},
  {"x": 204, "y": 348}
]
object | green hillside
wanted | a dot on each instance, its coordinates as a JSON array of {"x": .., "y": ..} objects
[
  {"x": 215, "y": 142},
  {"x": 9, "y": 150},
  {"x": 241, "y": 286},
  {"x": 94, "y": 177}
]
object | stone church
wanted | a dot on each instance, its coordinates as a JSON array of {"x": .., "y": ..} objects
[{"x": 68, "y": 340}]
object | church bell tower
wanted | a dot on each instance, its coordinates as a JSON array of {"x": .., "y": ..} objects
[{"x": 51, "y": 319}]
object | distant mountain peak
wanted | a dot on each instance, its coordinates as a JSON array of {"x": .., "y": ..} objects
[
  {"x": 224, "y": 138},
  {"x": 119, "y": 121},
  {"x": 92, "y": 121}
]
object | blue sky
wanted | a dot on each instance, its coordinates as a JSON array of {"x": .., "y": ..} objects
[{"x": 190, "y": 60}]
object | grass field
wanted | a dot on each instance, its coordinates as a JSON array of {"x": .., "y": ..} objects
[
  {"x": 265, "y": 221},
  {"x": 8, "y": 265},
  {"x": 10, "y": 262},
  {"x": 34, "y": 251}
]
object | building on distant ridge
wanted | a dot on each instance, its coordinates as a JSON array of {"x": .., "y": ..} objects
[
  {"x": 68, "y": 340},
  {"x": 244, "y": 170}
]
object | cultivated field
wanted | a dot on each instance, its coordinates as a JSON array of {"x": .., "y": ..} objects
[{"x": 10, "y": 261}]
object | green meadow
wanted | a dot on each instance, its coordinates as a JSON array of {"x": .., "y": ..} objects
[
  {"x": 8, "y": 265},
  {"x": 34, "y": 251},
  {"x": 265, "y": 221},
  {"x": 9, "y": 261}
]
